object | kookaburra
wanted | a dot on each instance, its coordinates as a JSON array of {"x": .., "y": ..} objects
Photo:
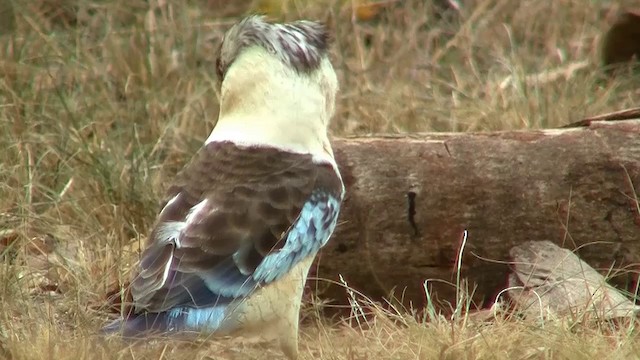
[{"x": 242, "y": 222}]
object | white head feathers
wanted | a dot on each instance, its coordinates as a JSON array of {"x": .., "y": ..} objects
[{"x": 277, "y": 87}]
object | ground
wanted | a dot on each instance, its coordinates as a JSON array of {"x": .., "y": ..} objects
[{"x": 101, "y": 101}]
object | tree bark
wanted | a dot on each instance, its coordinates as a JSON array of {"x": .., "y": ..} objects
[{"x": 409, "y": 198}]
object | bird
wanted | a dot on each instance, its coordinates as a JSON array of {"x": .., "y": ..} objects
[{"x": 242, "y": 222}]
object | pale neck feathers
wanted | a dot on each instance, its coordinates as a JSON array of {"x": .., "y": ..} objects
[{"x": 265, "y": 103}]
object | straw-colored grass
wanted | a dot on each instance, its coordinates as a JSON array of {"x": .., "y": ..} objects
[{"x": 101, "y": 101}]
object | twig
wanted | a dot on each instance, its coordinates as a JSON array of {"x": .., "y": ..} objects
[{"x": 626, "y": 114}]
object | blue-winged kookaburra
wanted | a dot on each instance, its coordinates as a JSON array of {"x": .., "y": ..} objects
[{"x": 230, "y": 250}]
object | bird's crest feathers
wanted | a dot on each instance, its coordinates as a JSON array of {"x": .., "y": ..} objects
[{"x": 300, "y": 45}]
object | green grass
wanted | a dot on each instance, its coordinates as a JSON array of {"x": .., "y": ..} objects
[{"x": 102, "y": 101}]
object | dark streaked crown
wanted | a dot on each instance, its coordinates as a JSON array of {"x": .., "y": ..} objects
[{"x": 300, "y": 44}]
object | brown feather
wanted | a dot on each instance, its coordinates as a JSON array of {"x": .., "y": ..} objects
[{"x": 253, "y": 195}]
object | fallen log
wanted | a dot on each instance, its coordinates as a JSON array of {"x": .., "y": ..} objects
[{"x": 409, "y": 198}]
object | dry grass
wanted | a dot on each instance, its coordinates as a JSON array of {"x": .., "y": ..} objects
[{"x": 100, "y": 100}]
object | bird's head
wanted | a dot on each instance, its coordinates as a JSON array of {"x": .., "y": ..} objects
[
  {"x": 276, "y": 84},
  {"x": 300, "y": 45}
]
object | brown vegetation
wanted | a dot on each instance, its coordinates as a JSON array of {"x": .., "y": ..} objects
[{"x": 102, "y": 100}]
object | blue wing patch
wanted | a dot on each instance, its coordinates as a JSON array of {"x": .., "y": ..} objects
[
  {"x": 226, "y": 280},
  {"x": 307, "y": 235}
]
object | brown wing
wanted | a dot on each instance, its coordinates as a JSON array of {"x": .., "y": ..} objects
[{"x": 229, "y": 208}]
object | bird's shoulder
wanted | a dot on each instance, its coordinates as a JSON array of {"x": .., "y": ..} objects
[{"x": 227, "y": 176}]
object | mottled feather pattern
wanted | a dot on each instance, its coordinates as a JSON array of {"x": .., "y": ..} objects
[
  {"x": 253, "y": 213},
  {"x": 301, "y": 45}
]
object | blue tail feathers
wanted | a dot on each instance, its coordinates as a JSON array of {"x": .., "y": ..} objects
[
  {"x": 139, "y": 325},
  {"x": 210, "y": 319}
]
